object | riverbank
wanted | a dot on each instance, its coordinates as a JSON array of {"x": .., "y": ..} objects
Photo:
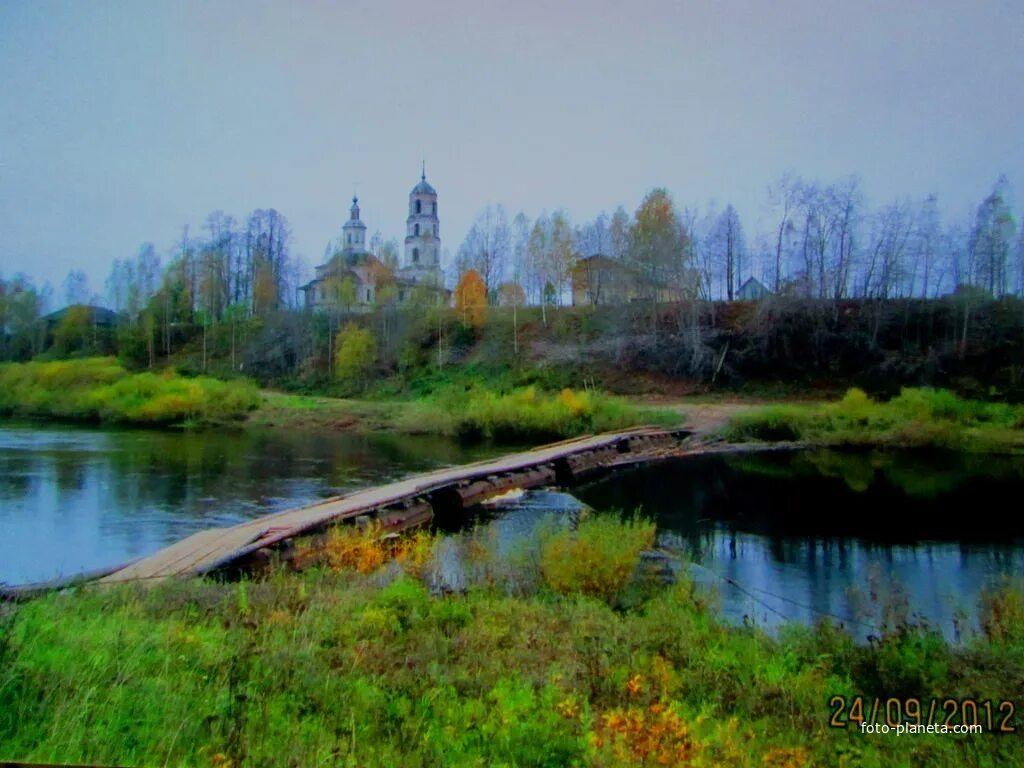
[
  {"x": 916, "y": 418},
  {"x": 520, "y": 415},
  {"x": 555, "y": 656},
  {"x": 99, "y": 389}
]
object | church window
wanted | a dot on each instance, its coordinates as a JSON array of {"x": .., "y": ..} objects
[
  {"x": 435, "y": 208},
  {"x": 415, "y": 255},
  {"x": 417, "y": 230},
  {"x": 418, "y": 203},
  {"x": 367, "y": 294}
]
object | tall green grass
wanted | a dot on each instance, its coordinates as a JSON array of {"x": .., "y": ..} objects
[
  {"x": 525, "y": 414},
  {"x": 99, "y": 389},
  {"x": 333, "y": 667},
  {"x": 917, "y": 417}
]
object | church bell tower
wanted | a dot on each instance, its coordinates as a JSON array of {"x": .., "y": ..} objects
[{"x": 422, "y": 231}]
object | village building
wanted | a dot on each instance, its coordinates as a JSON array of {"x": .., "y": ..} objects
[
  {"x": 752, "y": 290},
  {"x": 601, "y": 280},
  {"x": 355, "y": 280}
]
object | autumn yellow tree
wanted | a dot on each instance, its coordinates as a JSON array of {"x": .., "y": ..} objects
[
  {"x": 264, "y": 290},
  {"x": 357, "y": 352},
  {"x": 658, "y": 253},
  {"x": 471, "y": 298}
]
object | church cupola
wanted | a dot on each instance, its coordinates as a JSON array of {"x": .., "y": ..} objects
[{"x": 353, "y": 234}]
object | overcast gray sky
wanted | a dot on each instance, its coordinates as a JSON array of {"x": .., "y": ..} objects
[{"x": 122, "y": 121}]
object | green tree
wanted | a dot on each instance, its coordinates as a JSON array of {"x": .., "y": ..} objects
[
  {"x": 22, "y": 307},
  {"x": 74, "y": 331}
]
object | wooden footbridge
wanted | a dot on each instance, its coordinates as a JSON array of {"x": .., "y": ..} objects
[
  {"x": 409, "y": 502},
  {"x": 413, "y": 501}
]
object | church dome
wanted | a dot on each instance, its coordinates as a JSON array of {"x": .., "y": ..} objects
[{"x": 423, "y": 188}]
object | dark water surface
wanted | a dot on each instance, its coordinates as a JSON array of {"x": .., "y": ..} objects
[
  {"x": 861, "y": 537},
  {"x": 76, "y": 499},
  {"x": 868, "y": 539},
  {"x": 782, "y": 535}
]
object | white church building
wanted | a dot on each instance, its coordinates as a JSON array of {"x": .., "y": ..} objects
[{"x": 352, "y": 278}]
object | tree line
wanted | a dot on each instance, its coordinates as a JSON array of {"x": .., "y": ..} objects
[{"x": 823, "y": 243}]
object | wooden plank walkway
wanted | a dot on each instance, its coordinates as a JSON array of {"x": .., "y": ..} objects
[{"x": 217, "y": 548}]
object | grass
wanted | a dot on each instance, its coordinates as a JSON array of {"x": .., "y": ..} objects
[
  {"x": 526, "y": 414},
  {"x": 468, "y": 413},
  {"x": 337, "y": 667},
  {"x": 916, "y": 418},
  {"x": 100, "y": 390},
  {"x": 309, "y": 411}
]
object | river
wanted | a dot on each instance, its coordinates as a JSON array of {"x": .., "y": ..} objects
[
  {"x": 78, "y": 499},
  {"x": 782, "y": 536}
]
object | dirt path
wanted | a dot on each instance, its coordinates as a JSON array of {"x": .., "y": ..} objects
[
  {"x": 702, "y": 418},
  {"x": 707, "y": 418}
]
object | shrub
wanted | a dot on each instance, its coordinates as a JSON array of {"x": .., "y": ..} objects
[
  {"x": 526, "y": 413},
  {"x": 98, "y": 389},
  {"x": 598, "y": 559},
  {"x": 365, "y": 550},
  {"x": 916, "y": 417},
  {"x": 1002, "y": 614}
]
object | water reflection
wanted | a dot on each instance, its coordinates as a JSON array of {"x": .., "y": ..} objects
[
  {"x": 803, "y": 535},
  {"x": 79, "y": 499},
  {"x": 783, "y": 536}
]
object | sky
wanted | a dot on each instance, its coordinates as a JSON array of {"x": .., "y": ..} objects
[{"x": 122, "y": 122}]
